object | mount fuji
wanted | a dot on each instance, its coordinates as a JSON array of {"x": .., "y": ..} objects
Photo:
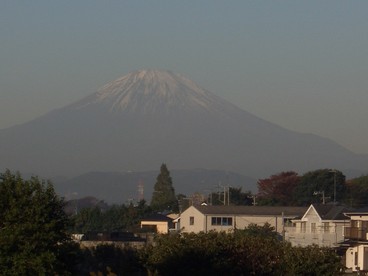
[{"x": 148, "y": 117}]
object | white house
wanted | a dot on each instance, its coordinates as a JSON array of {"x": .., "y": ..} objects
[
  {"x": 227, "y": 218},
  {"x": 322, "y": 225},
  {"x": 356, "y": 239}
]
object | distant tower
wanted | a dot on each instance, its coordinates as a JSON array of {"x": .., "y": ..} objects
[{"x": 140, "y": 190}]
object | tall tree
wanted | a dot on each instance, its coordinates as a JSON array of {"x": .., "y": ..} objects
[
  {"x": 32, "y": 227},
  {"x": 163, "y": 197},
  {"x": 278, "y": 189},
  {"x": 315, "y": 185}
]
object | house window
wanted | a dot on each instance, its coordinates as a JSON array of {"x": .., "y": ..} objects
[
  {"x": 313, "y": 227},
  {"x": 303, "y": 227},
  {"x": 223, "y": 221},
  {"x": 227, "y": 221},
  {"x": 216, "y": 221},
  {"x": 326, "y": 227},
  {"x": 191, "y": 220}
]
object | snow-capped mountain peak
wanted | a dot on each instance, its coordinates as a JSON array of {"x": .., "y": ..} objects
[{"x": 148, "y": 90}]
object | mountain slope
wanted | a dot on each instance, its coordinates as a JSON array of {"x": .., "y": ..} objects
[{"x": 148, "y": 117}]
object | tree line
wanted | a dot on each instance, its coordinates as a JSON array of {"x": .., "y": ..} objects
[
  {"x": 35, "y": 235},
  {"x": 35, "y": 239},
  {"x": 282, "y": 189},
  {"x": 318, "y": 186},
  {"x": 286, "y": 188}
]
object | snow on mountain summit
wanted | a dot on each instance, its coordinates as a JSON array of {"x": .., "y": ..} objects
[{"x": 148, "y": 90}]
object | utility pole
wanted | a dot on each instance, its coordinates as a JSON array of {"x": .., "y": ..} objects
[
  {"x": 228, "y": 194},
  {"x": 140, "y": 190},
  {"x": 224, "y": 195},
  {"x": 334, "y": 198}
]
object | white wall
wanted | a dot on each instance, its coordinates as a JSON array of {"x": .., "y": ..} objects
[
  {"x": 199, "y": 221},
  {"x": 357, "y": 257},
  {"x": 204, "y": 222}
]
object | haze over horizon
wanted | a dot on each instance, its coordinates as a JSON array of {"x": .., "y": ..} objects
[{"x": 301, "y": 65}]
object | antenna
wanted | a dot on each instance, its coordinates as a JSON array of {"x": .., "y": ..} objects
[
  {"x": 323, "y": 196},
  {"x": 253, "y": 197}
]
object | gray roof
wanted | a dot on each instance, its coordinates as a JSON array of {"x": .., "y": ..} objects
[
  {"x": 360, "y": 211},
  {"x": 157, "y": 217},
  {"x": 331, "y": 212},
  {"x": 252, "y": 210}
]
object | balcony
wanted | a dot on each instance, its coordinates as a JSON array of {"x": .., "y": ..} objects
[{"x": 355, "y": 233}]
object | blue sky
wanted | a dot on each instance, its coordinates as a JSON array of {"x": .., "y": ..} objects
[{"x": 300, "y": 64}]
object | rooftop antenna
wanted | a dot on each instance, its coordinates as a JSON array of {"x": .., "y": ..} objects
[
  {"x": 253, "y": 197},
  {"x": 323, "y": 196}
]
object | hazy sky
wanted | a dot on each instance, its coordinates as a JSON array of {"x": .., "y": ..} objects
[{"x": 300, "y": 64}]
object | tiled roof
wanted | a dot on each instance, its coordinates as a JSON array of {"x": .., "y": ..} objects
[
  {"x": 252, "y": 210},
  {"x": 331, "y": 212}
]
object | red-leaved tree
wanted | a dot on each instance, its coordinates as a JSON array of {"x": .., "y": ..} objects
[{"x": 278, "y": 189}]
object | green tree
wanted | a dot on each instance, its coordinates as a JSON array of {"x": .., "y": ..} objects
[
  {"x": 255, "y": 250},
  {"x": 33, "y": 228},
  {"x": 321, "y": 181},
  {"x": 109, "y": 259},
  {"x": 88, "y": 219},
  {"x": 163, "y": 197},
  {"x": 311, "y": 260},
  {"x": 235, "y": 196},
  {"x": 238, "y": 197},
  {"x": 254, "y": 230},
  {"x": 189, "y": 254},
  {"x": 357, "y": 195},
  {"x": 114, "y": 218}
]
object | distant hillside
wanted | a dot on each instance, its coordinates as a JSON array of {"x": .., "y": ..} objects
[{"x": 115, "y": 187}]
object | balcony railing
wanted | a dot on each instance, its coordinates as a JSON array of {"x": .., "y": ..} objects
[{"x": 355, "y": 233}]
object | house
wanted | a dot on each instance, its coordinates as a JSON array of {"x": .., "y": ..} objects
[
  {"x": 356, "y": 240},
  {"x": 322, "y": 225},
  {"x": 157, "y": 223},
  {"x": 227, "y": 218}
]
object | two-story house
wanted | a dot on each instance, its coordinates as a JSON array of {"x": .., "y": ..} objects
[
  {"x": 227, "y": 218},
  {"x": 356, "y": 238},
  {"x": 322, "y": 225}
]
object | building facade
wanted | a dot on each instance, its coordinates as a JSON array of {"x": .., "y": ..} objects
[
  {"x": 322, "y": 225},
  {"x": 356, "y": 240},
  {"x": 227, "y": 218}
]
